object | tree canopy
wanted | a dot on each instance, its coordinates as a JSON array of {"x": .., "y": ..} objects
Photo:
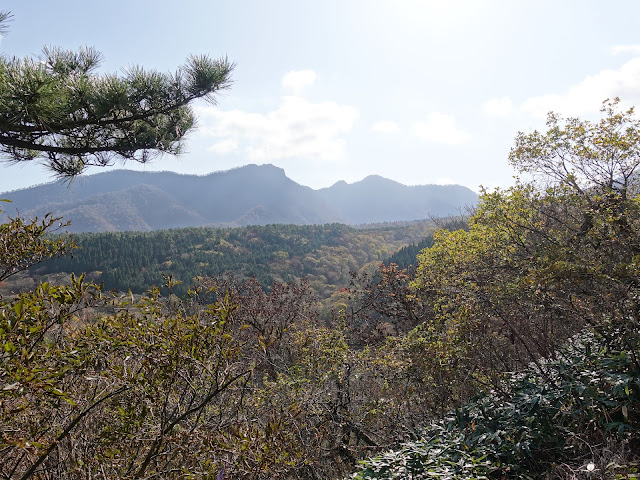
[
  {"x": 57, "y": 107},
  {"x": 586, "y": 157},
  {"x": 544, "y": 283},
  {"x": 231, "y": 381}
]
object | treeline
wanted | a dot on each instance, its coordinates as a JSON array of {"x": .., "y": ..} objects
[
  {"x": 536, "y": 304},
  {"x": 511, "y": 351},
  {"x": 323, "y": 254},
  {"x": 407, "y": 256}
]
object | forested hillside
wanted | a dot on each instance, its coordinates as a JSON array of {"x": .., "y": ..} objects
[
  {"x": 509, "y": 351},
  {"x": 323, "y": 255},
  {"x": 508, "y": 348}
]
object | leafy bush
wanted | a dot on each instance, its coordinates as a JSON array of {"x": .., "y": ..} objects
[{"x": 544, "y": 415}]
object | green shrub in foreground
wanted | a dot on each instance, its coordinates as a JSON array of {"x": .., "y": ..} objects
[{"x": 544, "y": 415}]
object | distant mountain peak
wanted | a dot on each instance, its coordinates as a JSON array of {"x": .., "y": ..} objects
[
  {"x": 377, "y": 179},
  {"x": 252, "y": 194},
  {"x": 339, "y": 184},
  {"x": 264, "y": 167}
]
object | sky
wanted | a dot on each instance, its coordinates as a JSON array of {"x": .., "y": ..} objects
[{"x": 421, "y": 92}]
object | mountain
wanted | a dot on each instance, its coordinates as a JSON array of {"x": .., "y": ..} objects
[
  {"x": 121, "y": 200},
  {"x": 377, "y": 199}
]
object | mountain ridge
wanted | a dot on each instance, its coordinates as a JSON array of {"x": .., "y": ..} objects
[{"x": 120, "y": 200}]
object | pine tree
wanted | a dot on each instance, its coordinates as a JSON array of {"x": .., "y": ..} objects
[{"x": 58, "y": 108}]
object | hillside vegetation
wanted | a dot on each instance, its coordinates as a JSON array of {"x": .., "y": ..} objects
[
  {"x": 576, "y": 417},
  {"x": 511, "y": 350},
  {"x": 322, "y": 254},
  {"x": 540, "y": 262}
]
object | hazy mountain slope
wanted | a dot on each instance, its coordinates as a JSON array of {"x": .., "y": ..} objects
[
  {"x": 140, "y": 208},
  {"x": 259, "y": 195},
  {"x": 377, "y": 199},
  {"x": 121, "y": 200}
]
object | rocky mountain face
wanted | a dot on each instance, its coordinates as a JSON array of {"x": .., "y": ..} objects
[{"x": 121, "y": 200}]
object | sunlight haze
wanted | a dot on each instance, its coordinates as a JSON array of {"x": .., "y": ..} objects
[{"x": 420, "y": 92}]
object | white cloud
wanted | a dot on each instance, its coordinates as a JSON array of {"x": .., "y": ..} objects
[
  {"x": 385, "y": 127},
  {"x": 587, "y": 96},
  {"x": 444, "y": 181},
  {"x": 223, "y": 147},
  {"x": 622, "y": 49},
  {"x": 297, "y": 80},
  {"x": 498, "y": 107},
  {"x": 296, "y": 129},
  {"x": 440, "y": 128}
]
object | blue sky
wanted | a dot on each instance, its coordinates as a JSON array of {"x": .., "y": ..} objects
[{"x": 421, "y": 92}]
